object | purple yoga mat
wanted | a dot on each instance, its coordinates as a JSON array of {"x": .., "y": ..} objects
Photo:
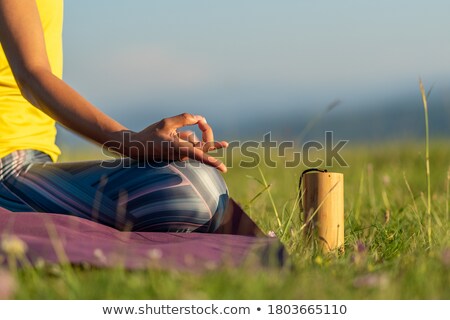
[{"x": 59, "y": 238}]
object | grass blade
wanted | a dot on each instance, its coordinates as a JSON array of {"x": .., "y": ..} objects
[
  {"x": 427, "y": 157},
  {"x": 270, "y": 197}
]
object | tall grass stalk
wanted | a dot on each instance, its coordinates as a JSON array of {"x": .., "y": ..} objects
[
  {"x": 298, "y": 198},
  {"x": 311, "y": 124},
  {"x": 371, "y": 188},
  {"x": 267, "y": 186},
  {"x": 448, "y": 199},
  {"x": 414, "y": 206},
  {"x": 427, "y": 157},
  {"x": 360, "y": 196}
]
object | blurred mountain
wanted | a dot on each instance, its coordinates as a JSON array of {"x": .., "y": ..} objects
[
  {"x": 400, "y": 118},
  {"x": 392, "y": 119}
]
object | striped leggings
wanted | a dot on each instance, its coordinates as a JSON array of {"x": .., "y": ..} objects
[{"x": 122, "y": 193}]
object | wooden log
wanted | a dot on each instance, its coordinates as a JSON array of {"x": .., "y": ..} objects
[{"x": 323, "y": 208}]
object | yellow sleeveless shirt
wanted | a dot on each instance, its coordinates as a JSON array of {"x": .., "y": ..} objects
[{"x": 23, "y": 126}]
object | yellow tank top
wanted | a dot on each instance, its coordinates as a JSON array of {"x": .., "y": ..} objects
[{"x": 23, "y": 126}]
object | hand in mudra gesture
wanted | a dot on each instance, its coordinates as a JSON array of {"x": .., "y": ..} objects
[{"x": 164, "y": 140}]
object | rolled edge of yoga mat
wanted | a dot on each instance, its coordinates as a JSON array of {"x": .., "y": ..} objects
[{"x": 322, "y": 197}]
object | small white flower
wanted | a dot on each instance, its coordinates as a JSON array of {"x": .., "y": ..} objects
[
  {"x": 98, "y": 253},
  {"x": 211, "y": 265},
  {"x": 155, "y": 254},
  {"x": 14, "y": 246}
]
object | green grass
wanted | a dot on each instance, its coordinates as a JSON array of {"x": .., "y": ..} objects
[{"x": 388, "y": 254}]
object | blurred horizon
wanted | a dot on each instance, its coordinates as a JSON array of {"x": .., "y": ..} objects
[{"x": 251, "y": 66}]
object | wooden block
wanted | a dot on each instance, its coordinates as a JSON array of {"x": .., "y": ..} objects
[{"x": 323, "y": 208}]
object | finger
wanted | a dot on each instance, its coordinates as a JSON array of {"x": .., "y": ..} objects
[
  {"x": 209, "y": 146},
  {"x": 207, "y": 132},
  {"x": 189, "y": 136},
  {"x": 199, "y": 155},
  {"x": 179, "y": 121},
  {"x": 176, "y": 147}
]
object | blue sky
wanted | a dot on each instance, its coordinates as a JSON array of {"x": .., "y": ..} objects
[{"x": 234, "y": 58}]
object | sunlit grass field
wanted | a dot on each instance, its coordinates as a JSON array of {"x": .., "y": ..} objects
[{"x": 388, "y": 254}]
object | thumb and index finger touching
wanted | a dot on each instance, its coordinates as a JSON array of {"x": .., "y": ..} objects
[{"x": 186, "y": 119}]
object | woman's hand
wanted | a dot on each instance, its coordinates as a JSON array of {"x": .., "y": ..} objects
[{"x": 163, "y": 141}]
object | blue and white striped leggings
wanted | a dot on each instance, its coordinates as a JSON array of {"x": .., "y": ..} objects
[{"x": 124, "y": 194}]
